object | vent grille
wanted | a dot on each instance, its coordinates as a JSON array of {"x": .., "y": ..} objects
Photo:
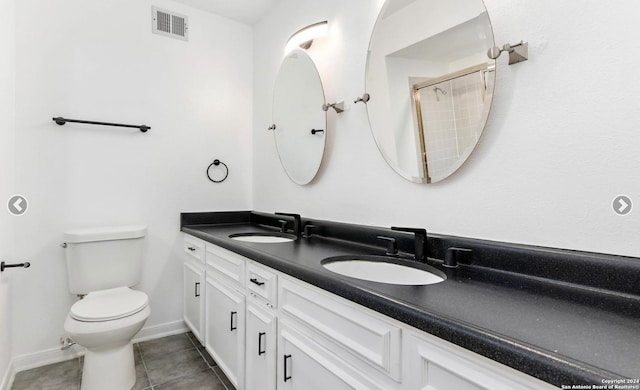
[
  {"x": 178, "y": 25},
  {"x": 164, "y": 21},
  {"x": 169, "y": 24}
]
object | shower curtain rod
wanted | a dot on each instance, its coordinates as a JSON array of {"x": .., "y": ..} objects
[
  {"x": 451, "y": 76},
  {"x": 61, "y": 121}
]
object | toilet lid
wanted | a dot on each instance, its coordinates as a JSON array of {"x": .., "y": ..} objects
[{"x": 105, "y": 305}]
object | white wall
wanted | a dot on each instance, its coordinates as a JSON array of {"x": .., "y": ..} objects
[
  {"x": 7, "y": 102},
  {"x": 561, "y": 142},
  {"x": 97, "y": 60}
]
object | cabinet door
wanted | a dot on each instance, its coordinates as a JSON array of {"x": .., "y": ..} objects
[
  {"x": 194, "y": 299},
  {"x": 305, "y": 365},
  {"x": 260, "y": 349},
  {"x": 434, "y": 364},
  {"x": 224, "y": 338}
]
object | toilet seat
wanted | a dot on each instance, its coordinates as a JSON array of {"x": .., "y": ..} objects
[{"x": 111, "y": 304}]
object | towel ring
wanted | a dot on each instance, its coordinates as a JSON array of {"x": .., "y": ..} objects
[{"x": 216, "y": 163}]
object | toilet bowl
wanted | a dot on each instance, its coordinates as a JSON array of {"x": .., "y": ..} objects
[
  {"x": 102, "y": 264},
  {"x": 105, "y": 322}
]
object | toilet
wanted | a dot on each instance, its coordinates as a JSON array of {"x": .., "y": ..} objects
[{"x": 103, "y": 264}]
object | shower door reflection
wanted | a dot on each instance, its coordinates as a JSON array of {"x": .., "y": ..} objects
[{"x": 449, "y": 113}]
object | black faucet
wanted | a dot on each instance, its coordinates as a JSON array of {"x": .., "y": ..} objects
[
  {"x": 297, "y": 223},
  {"x": 420, "y": 241}
]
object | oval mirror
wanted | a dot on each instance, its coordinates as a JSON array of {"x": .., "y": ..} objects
[
  {"x": 431, "y": 84},
  {"x": 300, "y": 122}
]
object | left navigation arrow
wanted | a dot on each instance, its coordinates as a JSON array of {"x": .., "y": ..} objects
[{"x": 17, "y": 205}]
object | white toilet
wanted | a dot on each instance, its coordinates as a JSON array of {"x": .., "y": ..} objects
[{"x": 103, "y": 263}]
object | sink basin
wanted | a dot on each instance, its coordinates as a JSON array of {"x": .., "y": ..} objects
[
  {"x": 384, "y": 270},
  {"x": 265, "y": 238}
]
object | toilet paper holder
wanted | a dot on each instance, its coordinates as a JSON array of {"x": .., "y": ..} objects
[{"x": 4, "y": 265}]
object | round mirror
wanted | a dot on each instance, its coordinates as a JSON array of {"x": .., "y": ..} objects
[
  {"x": 300, "y": 122},
  {"x": 431, "y": 84}
]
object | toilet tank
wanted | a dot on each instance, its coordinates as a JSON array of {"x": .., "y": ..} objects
[{"x": 105, "y": 257}]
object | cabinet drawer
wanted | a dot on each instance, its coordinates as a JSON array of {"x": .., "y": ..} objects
[
  {"x": 262, "y": 282},
  {"x": 227, "y": 264},
  {"x": 194, "y": 248},
  {"x": 368, "y": 337},
  {"x": 303, "y": 364},
  {"x": 435, "y": 364}
]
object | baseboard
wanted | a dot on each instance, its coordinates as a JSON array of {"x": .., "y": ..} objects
[
  {"x": 37, "y": 359},
  {"x": 55, "y": 355},
  {"x": 157, "y": 331},
  {"x": 7, "y": 379}
]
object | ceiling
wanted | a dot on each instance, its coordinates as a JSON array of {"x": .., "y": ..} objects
[{"x": 245, "y": 11}]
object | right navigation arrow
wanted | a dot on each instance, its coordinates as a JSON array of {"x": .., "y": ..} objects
[{"x": 622, "y": 205}]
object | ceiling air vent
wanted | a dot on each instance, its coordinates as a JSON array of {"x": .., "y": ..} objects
[{"x": 169, "y": 24}]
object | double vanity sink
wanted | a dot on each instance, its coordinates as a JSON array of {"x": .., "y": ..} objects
[{"x": 565, "y": 317}]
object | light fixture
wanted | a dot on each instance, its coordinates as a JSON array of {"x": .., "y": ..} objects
[{"x": 304, "y": 37}]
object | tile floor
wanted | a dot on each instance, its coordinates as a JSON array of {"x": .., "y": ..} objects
[{"x": 176, "y": 362}]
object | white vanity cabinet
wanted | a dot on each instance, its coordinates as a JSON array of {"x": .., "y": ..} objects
[
  {"x": 193, "y": 274},
  {"x": 270, "y": 331},
  {"x": 328, "y": 340}
]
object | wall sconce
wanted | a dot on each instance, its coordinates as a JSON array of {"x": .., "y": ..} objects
[{"x": 304, "y": 37}]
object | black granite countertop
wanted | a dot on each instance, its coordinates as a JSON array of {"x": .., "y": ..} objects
[{"x": 564, "y": 317}]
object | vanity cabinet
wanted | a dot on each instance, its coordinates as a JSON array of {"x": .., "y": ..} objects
[
  {"x": 269, "y": 331},
  {"x": 193, "y": 276}
]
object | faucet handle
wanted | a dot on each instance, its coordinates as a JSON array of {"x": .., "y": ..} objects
[
  {"x": 392, "y": 246},
  {"x": 454, "y": 255},
  {"x": 283, "y": 225},
  {"x": 307, "y": 230}
]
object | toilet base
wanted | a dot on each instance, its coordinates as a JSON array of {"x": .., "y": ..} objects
[
  {"x": 109, "y": 369},
  {"x": 108, "y": 360}
]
